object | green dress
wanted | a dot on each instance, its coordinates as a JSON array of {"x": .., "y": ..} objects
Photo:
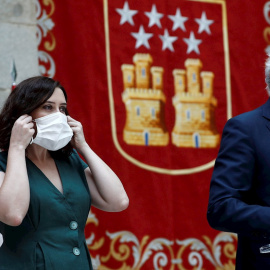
[{"x": 51, "y": 236}]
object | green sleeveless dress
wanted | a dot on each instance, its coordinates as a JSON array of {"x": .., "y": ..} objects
[{"x": 51, "y": 236}]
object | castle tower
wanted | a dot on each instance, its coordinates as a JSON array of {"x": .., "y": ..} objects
[
  {"x": 157, "y": 77},
  {"x": 179, "y": 80},
  {"x": 193, "y": 67},
  {"x": 195, "y": 108},
  {"x": 145, "y": 103},
  {"x": 207, "y": 82},
  {"x": 142, "y": 66},
  {"x": 128, "y": 76}
]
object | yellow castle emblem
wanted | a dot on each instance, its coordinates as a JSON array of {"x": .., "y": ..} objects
[
  {"x": 145, "y": 102},
  {"x": 194, "y": 105}
]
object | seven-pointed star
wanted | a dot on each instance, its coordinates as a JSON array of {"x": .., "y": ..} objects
[
  {"x": 178, "y": 20},
  {"x": 142, "y": 38},
  {"x": 204, "y": 24},
  {"x": 126, "y": 14},
  {"x": 167, "y": 41},
  {"x": 154, "y": 17},
  {"x": 192, "y": 43}
]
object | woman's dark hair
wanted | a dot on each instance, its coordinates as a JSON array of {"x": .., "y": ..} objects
[{"x": 26, "y": 97}]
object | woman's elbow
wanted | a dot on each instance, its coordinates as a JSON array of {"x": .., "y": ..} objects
[
  {"x": 13, "y": 220},
  {"x": 125, "y": 203},
  {"x": 121, "y": 205}
]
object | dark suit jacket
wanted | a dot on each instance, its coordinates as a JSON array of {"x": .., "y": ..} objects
[{"x": 239, "y": 198}]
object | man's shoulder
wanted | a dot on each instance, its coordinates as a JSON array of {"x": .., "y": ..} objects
[{"x": 252, "y": 115}]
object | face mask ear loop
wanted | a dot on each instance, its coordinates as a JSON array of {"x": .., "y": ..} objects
[{"x": 32, "y": 139}]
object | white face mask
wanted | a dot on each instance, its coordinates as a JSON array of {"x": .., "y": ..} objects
[{"x": 53, "y": 131}]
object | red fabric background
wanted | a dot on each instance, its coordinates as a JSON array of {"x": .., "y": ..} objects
[{"x": 161, "y": 206}]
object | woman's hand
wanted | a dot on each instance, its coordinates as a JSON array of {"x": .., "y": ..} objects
[
  {"x": 22, "y": 132},
  {"x": 78, "y": 140},
  {"x": 15, "y": 190}
]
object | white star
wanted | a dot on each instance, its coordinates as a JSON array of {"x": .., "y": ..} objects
[
  {"x": 154, "y": 17},
  {"x": 126, "y": 14},
  {"x": 192, "y": 43},
  {"x": 167, "y": 41},
  {"x": 204, "y": 24},
  {"x": 142, "y": 38},
  {"x": 178, "y": 20}
]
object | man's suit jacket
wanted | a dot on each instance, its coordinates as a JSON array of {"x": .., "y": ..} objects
[{"x": 239, "y": 199}]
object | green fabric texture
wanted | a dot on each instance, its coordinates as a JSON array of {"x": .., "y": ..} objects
[{"x": 51, "y": 236}]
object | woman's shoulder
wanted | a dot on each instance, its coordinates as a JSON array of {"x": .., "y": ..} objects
[
  {"x": 3, "y": 160},
  {"x": 75, "y": 158},
  {"x": 74, "y": 155},
  {"x": 3, "y": 153}
]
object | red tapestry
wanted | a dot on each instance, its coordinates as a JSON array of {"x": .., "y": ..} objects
[{"x": 153, "y": 83}]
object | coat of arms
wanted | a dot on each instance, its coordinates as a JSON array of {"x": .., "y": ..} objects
[{"x": 168, "y": 80}]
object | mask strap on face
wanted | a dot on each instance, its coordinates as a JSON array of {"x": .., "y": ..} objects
[{"x": 32, "y": 139}]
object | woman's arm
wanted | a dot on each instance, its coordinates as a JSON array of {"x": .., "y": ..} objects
[
  {"x": 14, "y": 184},
  {"x": 106, "y": 189}
]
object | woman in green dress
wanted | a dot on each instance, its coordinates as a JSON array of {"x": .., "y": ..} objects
[{"x": 46, "y": 189}]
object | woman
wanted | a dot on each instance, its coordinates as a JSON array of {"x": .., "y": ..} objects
[{"x": 45, "y": 188}]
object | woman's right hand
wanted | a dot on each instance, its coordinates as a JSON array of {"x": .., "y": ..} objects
[{"x": 22, "y": 132}]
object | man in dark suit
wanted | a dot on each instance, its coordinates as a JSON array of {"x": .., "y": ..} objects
[{"x": 239, "y": 199}]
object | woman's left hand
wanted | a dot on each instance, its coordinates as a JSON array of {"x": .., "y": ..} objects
[
  {"x": 78, "y": 140},
  {"x": 107, "y": 191}
]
